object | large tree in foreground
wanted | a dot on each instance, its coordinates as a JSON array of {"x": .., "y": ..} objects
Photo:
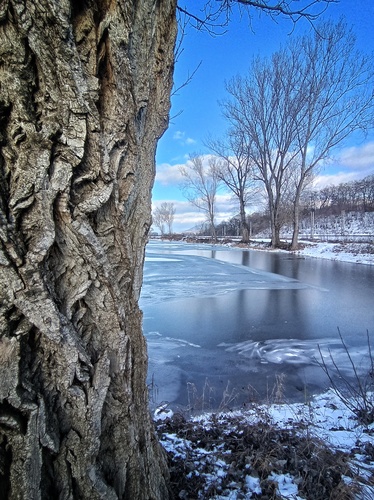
[
  {"x": 84, "y": 96},
  {"x": 85, "y": 88}
]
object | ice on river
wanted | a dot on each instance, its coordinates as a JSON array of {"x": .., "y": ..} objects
[
  {"x": 181, "y": 275},
  {"x": 174, "y": 363},
  {"x": 209, "y": 319}
]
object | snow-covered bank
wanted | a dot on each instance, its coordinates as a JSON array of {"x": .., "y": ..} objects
[
  {"x": 360, "y": 253},
  {"x": 316, "y": 450},
  {"x": 356, "y": 252}
]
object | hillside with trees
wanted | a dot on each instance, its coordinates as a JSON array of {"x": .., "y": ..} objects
[{"x": 341, "y": 211}]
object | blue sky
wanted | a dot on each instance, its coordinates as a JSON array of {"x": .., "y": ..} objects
[{"x": 196, "y": 113}]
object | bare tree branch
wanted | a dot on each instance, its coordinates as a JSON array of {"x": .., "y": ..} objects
[{"x": 214, "y": 17}]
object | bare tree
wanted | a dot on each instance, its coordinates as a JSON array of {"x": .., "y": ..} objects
[
  {"x": 169, "y": 213},
  {"x": 158, "y": 220},
  {"x": 200, "y": 186},
  {"x": 355, "y": 195},
  {"x": 263, "y": 108},
  {"x": 337, "y": 90},
  {"x": 297, "y": 107},
  {"x": 235, "y": 169},
  {"x": 164, "y": 214}
]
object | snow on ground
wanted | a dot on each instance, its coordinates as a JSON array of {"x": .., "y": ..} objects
[
  {"x": 361, "y": 253},
  {"x": 209, "y": 463}
]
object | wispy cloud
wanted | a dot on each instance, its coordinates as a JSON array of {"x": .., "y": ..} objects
[
  {"x": 324, "y": 180},
  {"x": 178, "y": 135},
  {"x": 168, "y": 175},
  {"x": 183, "y": 139},
  {"x": 351, "y": 164}
]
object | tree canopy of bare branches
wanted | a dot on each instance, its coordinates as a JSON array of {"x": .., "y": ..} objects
[
  {"x": 200, "y": 186},
  {"x": 296, "y": 107},
  {"x": 235, "y": 169},
  {"x": 214, "y": 15}
]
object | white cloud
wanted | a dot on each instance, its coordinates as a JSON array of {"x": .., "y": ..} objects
[
  {"x": 354, "y": 163},
  {"x": 322, "y": 180},
  {"x": 183, "y": 139},
  {"x": 358, "y": 157},
  {"x": 178, "y": 135},
  {"x": 187, "y": 216},
  {"x": 167, "y": 174}
]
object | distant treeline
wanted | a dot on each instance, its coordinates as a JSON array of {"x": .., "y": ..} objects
[
  {"x": 355, "y": 196},
  {"x": 349, "y": 196}
]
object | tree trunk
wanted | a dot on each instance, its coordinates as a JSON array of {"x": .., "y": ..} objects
[
  {"x": 243, "y": 223},
  {"x": 296, "y": 210},
  {"x": 213, "y": 232},
  {"x": 276, "y": 222},
  {"x": 84, "y": 97},
  {"x": 275, "y": 240},
  {"x": 274, "y": 226}
]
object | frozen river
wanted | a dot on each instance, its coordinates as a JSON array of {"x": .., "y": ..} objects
[{"x": 215, "y": 316}]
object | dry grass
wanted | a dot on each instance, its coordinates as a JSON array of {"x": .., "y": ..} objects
[{"x": 259, "y": 450}]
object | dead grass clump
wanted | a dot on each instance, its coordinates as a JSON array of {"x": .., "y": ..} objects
[{"x": 220, "y": 453}]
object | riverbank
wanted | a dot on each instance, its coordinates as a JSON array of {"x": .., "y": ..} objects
[
  {"x": 312, "y": 450},
  {"x": 356, "y": 252},
  {"x": 360, "y": 253}
]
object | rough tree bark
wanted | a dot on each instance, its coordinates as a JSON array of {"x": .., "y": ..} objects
[{"x": 84, "y": 97}]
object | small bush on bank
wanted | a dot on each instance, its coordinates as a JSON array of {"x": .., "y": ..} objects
[{"x": 357, "y": 395}]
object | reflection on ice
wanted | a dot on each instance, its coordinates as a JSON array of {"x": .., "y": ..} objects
[
  {"x": 165, "y": 377},
  {"x": 247, "y": 366}
]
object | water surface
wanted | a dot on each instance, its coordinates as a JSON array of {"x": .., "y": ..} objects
[{"x": 216, "y": 316}]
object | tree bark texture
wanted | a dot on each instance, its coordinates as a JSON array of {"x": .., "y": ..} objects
[
  {"x": 243, "y": 220},
  {"x": 84, "y": 97}
]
